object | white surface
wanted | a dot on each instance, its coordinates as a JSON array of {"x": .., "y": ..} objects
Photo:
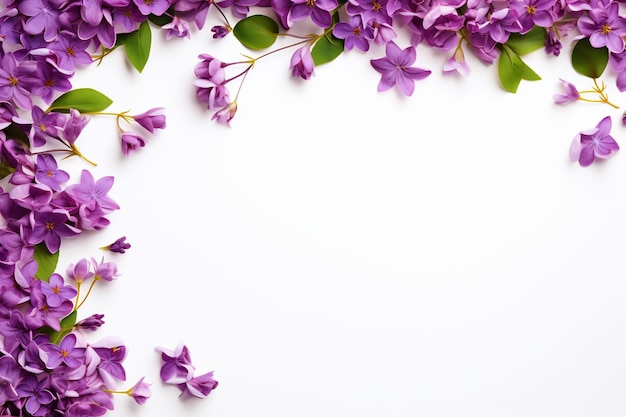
[{"x": 340, "y": 252}]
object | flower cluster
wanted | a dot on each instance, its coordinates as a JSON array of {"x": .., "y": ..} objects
[{"x": 49, "y": 363}]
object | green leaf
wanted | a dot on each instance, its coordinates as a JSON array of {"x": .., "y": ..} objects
[
  {"x": 256, "y": 32},
  {"x": 162, "y": 20},
  {"x": 589, "y": 61},
  {"x": 326, "y": 49},
  {"x": 46, "y": 262},
  {"x": 512, "y": 70},
  {"x": 84, "y": 100},
  {"x": 137, "y": 45},
  {"x": 523, "y": 44}
]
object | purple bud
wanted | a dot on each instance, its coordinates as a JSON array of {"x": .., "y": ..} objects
[
  {"x": 92, "y": 322},
  {"x": 220, "y": 31},
  {"x": 118, "y": 246}
]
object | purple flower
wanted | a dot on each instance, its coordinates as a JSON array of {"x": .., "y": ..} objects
[
  {"x": 15, "y": 82},
  {"x": 396, "y": 69},
  {"x": 131, "y": 142},
  {"x": 80, "y": 271},
  {"x": 43, "y": 17},
  {"x": 155, "y": 7},
  {"x": 119, "y": 246},
  {"x": 140, "y": 392},
  {"x": 355, "y": 33},
  {"x": 65, "y": 352},
  {"x": 210, "y": 82},
  {"x": 151, "y": 120},
  {"x": 199, "y": 386},
  {"x": 177, "y": 367},
  {"x": 37, "y": 394},
  {"x": 457, "y": 63},
  {"x": 111, "y": 353},
  {"x": 48, "y": 173},
  {"x": 56, "y": 292},
  {"x": 296, "y": 10},
  {"x": 226, "y": 113},
  {"x": 571, "y": 94},
  {"x": 604, "y": 26},
  {"x": 90, "y": 190},
  {"x": 302, "y": 64},
  {"x": 49, "y": 227},
  {"x": 220, "y": 31},
  {"x": 9, "y": 376},
  {"x": 593, "y": 143},
  {"x": 104, "y": 270},
  {"x": 74, "y": 124},
  {"x": 177, "y": 28},
  {"x": 93, "y": 322}
]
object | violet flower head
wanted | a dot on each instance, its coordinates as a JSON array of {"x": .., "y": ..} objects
[
  {"x": 355, "y": 34},
  {"x": 48, "y": 172},
  {"x": 140, "y": 392},
  {"x": 571, "y": 94},
  {"x": 177, "y": 367},
  {"x": 593, "y": 143},
  {"x": 604, "y": 26},
  {"x": 302, "y": 64},
  {"x": 151, "y": 120},
  {"x": 226, "y": 113},
  {"x": 177, "y": 28},
  {"x": 457, "y": 63},
  {"x": 49, "y": 227},
  {"x": 220, "y": 31},
  {"x": 131, "y": 142},
  {"x": 91, "y": 190},
  {"x": 396, "y": 69},
  {"x": 199, "y": 386},
  {"x": 92, "y": 323},
  {"x": 119, "y": 246},
  {"x": 56, "y": 292}
]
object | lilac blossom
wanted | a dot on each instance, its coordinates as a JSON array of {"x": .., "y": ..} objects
[
  {"x": 104, "y": 270},
  {"x": 318, "y": 11},
  {"x": 457, "y": 63},
  {"x": 90, "y": 190},
  {"x": 43, "y": 17},
  {"x": 140, "y": 392},
  {"x": 119, "y": 246},
  {"x": 302, "y": 64},
  {"x": 15, "y": 82},
  {"x": 69, "y": 52},
  {"x": 151, "y": 119},
  {"x": 226, "y": 113},
  {"x": 220, "y": 31},
  {"x": 92, "y": 323},
  {"x": 354, "y": 34},
  {"x": 131, "y": 142},
  {"x": 66, "y": 352},
  {"x": 10, "y": 374},
  {"x": 396, "y": 69},
  {"x": 48, "y": 172},
  {"x": 37, "y": 395},
  {"x": 154, "y": 7},
  {"x": 210, "y": 83},
  {"x": 49, "y": 227},
  {"x": 177, "y": 28},
  {"x": 56, "y": 292},
  {"x": 571, "y": 94},
  {"x": 593, "y": 143},
  {"x": 604, "y": 26},
  {"x": 177, "y": 367},
  {"x": 199, "y": 386}
]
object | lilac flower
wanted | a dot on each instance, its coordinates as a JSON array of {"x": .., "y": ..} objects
[
  {"x": 604, "y": 26},
  {"x": 220, "y": 31},
  {"x": 44, "y": 126},
  {"x": 593, "y": 143},
  {"x": 177, "y": 28},
  {"x": 90, "y": 190},
  {"x": 302, "y": 64},
  {"x": 226, "y": 113},
  {"x": 48, "y": 172},
  {"x": 199, "y": 386},
  {"x": 111, "y": 353},
  {"x": 355, "y": 33},
  {"x": 118, "y": 246},
  {"x": 66, "y": 352},
  {"x": 396, "y": 69},
  {"x": 177, "y": 367},
  {"x": 56, "y": 292},
  {"x": 92, "y": 323},
  {"x": 43, "y": 17},
  {"x": 140, "y": 392},
  {"x": 37, "y": 394},
  {"x": 131, "y": 142},
  {"x": 49, "y": 227},
  {"x": 296, "y": 10},
  {"x": 210, "y": 82},
  {"x": 80, "y": 271},
  {"x": 151, "y": 120},
  {"x": 104, "y": 270},
  {"x": 49, "y": 82},
  {"x": 10, "y": 373},
  {"x": 571, "y": 94},
  {"x": 69, "y": 51},
  {"x": 74, "y": 125},
  {"x": 155, "y": 7},
  {"x": 15, "y": 82},
  {"x": 457, "y": 63}
]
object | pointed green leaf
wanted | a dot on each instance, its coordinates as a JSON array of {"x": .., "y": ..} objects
[
  {"x": 46, "y": 262},
  {"x": 326, "y": 49},
  {"x": 67, "y": 324},
  {"x": 512, "y": 70},
  {"x": 137, "y": 45},
  {"x": 256, "y": 32},
  {"x": 589, "y": 61},
  {"x": 523, "y": 44},
  {"x": 85, "y": 100}
]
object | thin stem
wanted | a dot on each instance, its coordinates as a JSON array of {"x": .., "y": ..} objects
[{"x": 95, "y": 279}]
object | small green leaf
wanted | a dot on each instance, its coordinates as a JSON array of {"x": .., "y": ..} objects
[
  {"x": 84, "y": 100},
  {"x": 46, "y": 262},
  {"x": 531, "y": 41},
  {"x": 137, "y": 45},
  {"x": 589, "y": 61},
  {"x": 512, "y": 70},
  {"x": 162, "y": 20},
  {"x": 256, "y": 32},
  {"x": 326, "y": 49}
]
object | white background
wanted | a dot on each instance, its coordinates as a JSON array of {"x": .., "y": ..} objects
[{"x": 340, "y": 252}]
